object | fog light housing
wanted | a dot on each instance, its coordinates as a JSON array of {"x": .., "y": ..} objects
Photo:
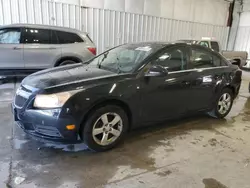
[{"x": 70, "y": 127}]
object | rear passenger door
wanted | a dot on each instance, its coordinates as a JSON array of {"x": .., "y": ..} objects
[
  {"x": 207, "y": 72},
  {"x": 41, "y": 48}
]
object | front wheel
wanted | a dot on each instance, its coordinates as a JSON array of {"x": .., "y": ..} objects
[
  {"x": 223, "y": 104},
  {"x": 104, "y": 128}
]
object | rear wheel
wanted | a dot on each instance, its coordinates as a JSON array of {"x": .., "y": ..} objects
[
  {"x": 223, "y": 104},
  {"x": 105, "y": 128}
]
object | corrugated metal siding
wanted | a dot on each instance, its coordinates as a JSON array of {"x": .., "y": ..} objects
[
  {"x": 107, "y": 28},
  {"x": 243, "y": 39}
]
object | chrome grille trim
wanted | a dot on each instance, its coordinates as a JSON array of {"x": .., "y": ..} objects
[{"x": 22, "y": 95}]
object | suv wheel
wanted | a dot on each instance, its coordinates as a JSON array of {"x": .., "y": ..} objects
[
  {"x": 105, "y": 128},
  {"x": 223, "y": 104},
  {"x": 67, "y": 62}
]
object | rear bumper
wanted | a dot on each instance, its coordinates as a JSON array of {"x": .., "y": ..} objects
[{"x": 46, "y": 125}]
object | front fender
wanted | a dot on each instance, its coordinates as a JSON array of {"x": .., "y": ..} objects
[{"x": 87, "y": 99}]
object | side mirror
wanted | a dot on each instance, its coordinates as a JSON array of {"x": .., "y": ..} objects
[{"x": 156, "y": 71}]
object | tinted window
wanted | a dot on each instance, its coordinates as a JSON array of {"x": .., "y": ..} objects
[
  {"x": 215, "y": 46},
  {"x": 173, "y": 59},
  {"x": 10, "y": 36},
  {"x": 68, "y": 38},
  {"x": 203, "y": 59},
  {"x": 37, "y": 36},
  {"x": 54, "y": 39}
]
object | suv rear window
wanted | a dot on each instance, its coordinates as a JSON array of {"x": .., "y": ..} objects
[
  {"x": 215, "y": 46},
  {"x": 68, "y": 38}
]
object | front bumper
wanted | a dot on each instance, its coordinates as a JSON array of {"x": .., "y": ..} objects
[{"x": 46, "y": 125}]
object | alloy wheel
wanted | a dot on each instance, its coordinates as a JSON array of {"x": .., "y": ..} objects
[
  {"x": 107, "y": 129},
  {"x": 224, "y": 103}
]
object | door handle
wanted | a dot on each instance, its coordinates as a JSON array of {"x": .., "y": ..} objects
[
  {"x": 52, "y": 48},
  {"x": 16, "y": 48}
]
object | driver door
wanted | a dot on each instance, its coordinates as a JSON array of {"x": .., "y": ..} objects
[{"x": 167, "y": 96}]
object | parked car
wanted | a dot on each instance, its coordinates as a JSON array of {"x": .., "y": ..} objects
[
  {"x": 29, "y": 48},
  {"x": 123, "y": 88},
  {"x": 238, "y": 57}
]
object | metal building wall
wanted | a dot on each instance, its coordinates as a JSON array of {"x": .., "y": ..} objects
[
  {"x": 243, "y": 34},
  {"x": 243, "y": 39},
  {"x": 106, "y": 27}
]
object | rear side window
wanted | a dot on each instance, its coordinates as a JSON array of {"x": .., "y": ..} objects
[
  {"x": 201, "y": 58},
  {"x": 68, "y": 38},
  {"x": 36, "y": 36},
  {"x": 215, "y": 46},
  {"x": 10, "y": 36}
]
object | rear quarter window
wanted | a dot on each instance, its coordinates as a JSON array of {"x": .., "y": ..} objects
[{"x": 68, "y": 38}]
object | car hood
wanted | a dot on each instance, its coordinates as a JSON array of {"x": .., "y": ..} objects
[{"x": 65, "y": 75}]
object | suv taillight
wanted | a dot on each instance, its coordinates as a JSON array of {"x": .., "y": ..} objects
[{"x": 92, "y": 50}]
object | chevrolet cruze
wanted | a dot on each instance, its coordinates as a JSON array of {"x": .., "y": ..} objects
[{"x": 132, "y": 85}]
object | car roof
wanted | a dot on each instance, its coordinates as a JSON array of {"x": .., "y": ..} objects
[
  {"x": 165, "y": 44},
  {"x": 39, "y": 26}
]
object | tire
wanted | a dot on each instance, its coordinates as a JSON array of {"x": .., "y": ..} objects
[
  {"x": 98, "y": 131},
  {"x": 67, "y": 62},
  {"x": 217, "y": 112}
]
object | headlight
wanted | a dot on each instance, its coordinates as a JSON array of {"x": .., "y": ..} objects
[{"x": 55, "y": 100}]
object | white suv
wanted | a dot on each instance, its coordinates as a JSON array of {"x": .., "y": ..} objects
[{"x": 35, "y": 47}]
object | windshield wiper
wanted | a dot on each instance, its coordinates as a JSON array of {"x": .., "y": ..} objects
[
  {"x": 99, "y": 64},
  {"x": 118, "y": 64}
]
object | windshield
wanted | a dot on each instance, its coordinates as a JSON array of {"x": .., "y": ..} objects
[{"x": 122, "y": 59}]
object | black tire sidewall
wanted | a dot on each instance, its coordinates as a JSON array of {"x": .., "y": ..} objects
[
  {"x": 86, "y": 132},
  {"x": 217, "y": 113}
]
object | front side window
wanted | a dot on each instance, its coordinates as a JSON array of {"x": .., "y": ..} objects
[
  {"x": 201, "y": 58},
  {"x": 10, "y": 36},
  {"x": 173, "y": 59},
  {"x": 36, "y": 36},
  {"x": 68, "y": 38}
]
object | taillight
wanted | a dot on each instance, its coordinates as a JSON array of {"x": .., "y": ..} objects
[{"x": 92, "y": 50}]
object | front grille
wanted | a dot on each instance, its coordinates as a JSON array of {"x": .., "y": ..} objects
[
  {"x": 20, "y": 101},
  {"x": 47, "y": 131},
  {"x": 22, "y": 95}
]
